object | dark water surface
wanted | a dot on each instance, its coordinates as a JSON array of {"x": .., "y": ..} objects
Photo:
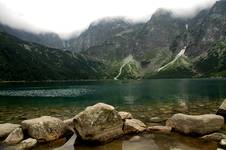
[{"x": 145, "y": 99}]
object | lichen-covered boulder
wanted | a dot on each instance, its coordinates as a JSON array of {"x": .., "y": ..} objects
[
  {"x": 7, "y": 128},
  {"x": 14, "y": 137},
  {"x": 125, "y": 115},
  {"x": 196, "y": 124},
  {"x": 45, "y": 128},
  {"x": 133, "y": 126},
  {"x": 99, "y": 123}
]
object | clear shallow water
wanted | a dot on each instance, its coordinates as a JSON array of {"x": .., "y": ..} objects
[{"x": 145, "y": 99}]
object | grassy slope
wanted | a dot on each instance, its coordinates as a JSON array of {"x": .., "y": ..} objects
[{"x": 21, "y": 60}]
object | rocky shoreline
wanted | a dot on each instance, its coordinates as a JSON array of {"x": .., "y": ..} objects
[{"x": 102, "y": 123}]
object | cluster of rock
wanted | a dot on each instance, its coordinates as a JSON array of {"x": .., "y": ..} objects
[
  {"x": 99, "y": 123},
  {"x": 102, "y": 123}
]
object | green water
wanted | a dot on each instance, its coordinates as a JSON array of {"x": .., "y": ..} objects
[
  {"x": 19, "y": 101},
  {"x": 145, "y": 99}
]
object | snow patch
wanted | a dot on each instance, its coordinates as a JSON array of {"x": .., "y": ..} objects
[
  {"x": 181, "y": 53},
  {"x": 126, "y": 61}
]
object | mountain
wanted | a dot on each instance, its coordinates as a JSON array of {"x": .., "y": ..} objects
[
  {"x": 213, "y": 62},
  {"x": 158, "y": 42},
  {"x": 207, "y": 27},
  {"x": 148, "y": 43},
  {"x": 47, "y": 39},
  {"x": 21, "y": 60},
  {"x": 165, "y": 46},
  {"x": 98, "y": 32}
]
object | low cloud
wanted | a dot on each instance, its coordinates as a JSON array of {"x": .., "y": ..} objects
[{"x": 71, "y": 17}]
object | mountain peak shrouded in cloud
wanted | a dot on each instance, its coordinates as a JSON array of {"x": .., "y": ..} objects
[{"x": 66, "y": 17}]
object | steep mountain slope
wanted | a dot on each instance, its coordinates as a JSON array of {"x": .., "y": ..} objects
[
  {"x": 98, "y": 32},
  {"x": 180, "y": 66},
  {"x": 46, "y": 39},
  {"x": 213, "y": 62},
  {"x": 140, "y": 40},
  {"x": 206, "y": 28},
  {"x": 159, "y": 32},
  {"x": 21, "y": 60}
]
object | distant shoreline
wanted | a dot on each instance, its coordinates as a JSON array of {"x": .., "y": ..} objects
[{"x": 55, "y": 81}]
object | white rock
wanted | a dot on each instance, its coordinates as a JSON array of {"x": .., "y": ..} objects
[
  {"x": 14, "y": 137},
  {"x": 133, "y": 126}
]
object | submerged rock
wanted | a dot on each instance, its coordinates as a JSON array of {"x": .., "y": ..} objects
[
  {"x": 133, "y": 126},
  {"x": 125, "y": 115},
  {"x": 199, "y": 124},
  {"x": 45, "y": 128},
  {"x": 14, "y": 137},
  {"x": 69, "y": 145},
  {"x": 99, "y": 123},
  {"x": 24, "y": 145},
  {"x": 156, "y": 120},
  {"x": 159, "y": 129},
  {"x": 7, "y": 128},
  {"x": 222, "y": 109},
  {"x": 27, "y": 144},
  {"x": 135, "y": 139},
  {"x": 214, "y": 137}
]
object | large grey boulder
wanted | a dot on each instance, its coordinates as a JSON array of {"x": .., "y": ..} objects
[
  {"x": 133, "y": 126},
  {"x": 222, "y": 109},
  {"x": 14, "y": 137},
  {"x": 45, "y": 128},
  {"x": 99, "y": 123},
  {"x": 7, "y": 128},
  {"x": 199, "y": 124}
]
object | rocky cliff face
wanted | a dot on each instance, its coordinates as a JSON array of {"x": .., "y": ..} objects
[
  {"x": 98, "y": 32},
  {"x": 159, "y": 32},
  {"x": 208, "y": 27}
]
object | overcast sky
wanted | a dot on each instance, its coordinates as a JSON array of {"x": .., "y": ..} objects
[{"x": 66, "y": 16}]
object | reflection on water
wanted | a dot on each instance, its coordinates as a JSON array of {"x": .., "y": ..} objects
[
  {"x": 45, "y": 93},
  {"x": 146, "y": 142},
  {"x": 129, "y": 100}
]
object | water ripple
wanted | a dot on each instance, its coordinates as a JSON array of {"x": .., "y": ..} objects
[{"x": 46, "y": 92}]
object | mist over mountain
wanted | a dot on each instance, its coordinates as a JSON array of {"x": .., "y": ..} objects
[{"x": 165, "y": 46}]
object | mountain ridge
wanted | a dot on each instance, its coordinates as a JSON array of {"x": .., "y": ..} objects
[{"x": 155, "y": 44}]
